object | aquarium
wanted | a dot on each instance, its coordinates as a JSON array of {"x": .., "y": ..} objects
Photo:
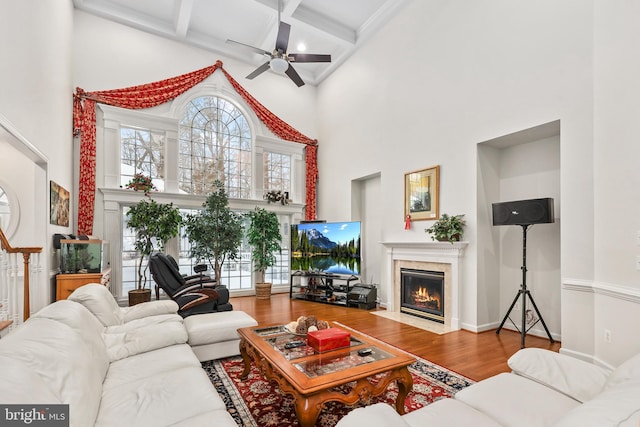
[{"x": 83, "y": 256}]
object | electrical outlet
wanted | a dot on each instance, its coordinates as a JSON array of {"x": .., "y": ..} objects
[
  {"x": 607, "y": 335},
  {"x": 638, "y": 262},
  {"x": 638, "y": 238},
  {"x": 516, "y": 306}
]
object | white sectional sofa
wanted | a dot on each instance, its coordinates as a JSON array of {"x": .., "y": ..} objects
[
  {"x": 210, "y": 335},
  {"x": 544, "y": 389},
  {"x": 138, "y": 371}
]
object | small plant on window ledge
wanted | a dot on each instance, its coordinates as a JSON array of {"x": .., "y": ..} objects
[
  {"x": 275, "y": 196},
  {"x": 141, "y": 182}
]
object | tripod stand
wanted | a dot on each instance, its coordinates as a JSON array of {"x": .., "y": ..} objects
[{"x": 524, "y": 293}]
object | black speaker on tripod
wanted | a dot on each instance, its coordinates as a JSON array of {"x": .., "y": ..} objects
[{"x": 524, "y": 213}]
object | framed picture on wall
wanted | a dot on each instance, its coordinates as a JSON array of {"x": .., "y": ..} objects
[
  {"x": 421, "y": 194},
  {"x": 59, "y": 205}
]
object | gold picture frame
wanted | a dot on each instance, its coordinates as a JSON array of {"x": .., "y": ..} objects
[{"x": 422, "y": 194}]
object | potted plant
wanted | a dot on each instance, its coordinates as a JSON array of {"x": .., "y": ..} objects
[
  {"x": 215, "y": 233},
  {"x": 447, "y": 228},
  {"x": 154, "y": 223},
  {"x": 141, "y": 182},
  {"x": 277, "y": 196},
  {"x": 264, "y": 237}
]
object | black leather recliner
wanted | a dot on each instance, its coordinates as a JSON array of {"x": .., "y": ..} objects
[{"x": 195, "y": 294}]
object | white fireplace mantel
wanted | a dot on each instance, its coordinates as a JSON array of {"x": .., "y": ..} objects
[
  {"x": 441, "y": 249},
  {"x": 427, "y": 252}
]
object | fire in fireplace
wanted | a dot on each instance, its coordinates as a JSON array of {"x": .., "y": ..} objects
[{"x": 422, "y": 293}]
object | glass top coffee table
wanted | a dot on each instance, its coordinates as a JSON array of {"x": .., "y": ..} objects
[{"x": 311, "y": 378}]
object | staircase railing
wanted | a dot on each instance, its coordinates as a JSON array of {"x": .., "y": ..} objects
[{"x": 9, "y": 273}]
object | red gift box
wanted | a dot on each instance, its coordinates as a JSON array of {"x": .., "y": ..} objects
[{"x": 328, "y": 339}]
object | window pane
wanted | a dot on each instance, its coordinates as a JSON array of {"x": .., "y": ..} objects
[
  {"x": 236, "y": 274},
  {"x": 277, "y": 172},
  {"x": 215, "y": 144},
  {"x": 131, "y": 259},
  {"x": 142, "y": 151}
]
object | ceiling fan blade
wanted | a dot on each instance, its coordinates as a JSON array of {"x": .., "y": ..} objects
[
  {"x": 282, "y": 41},
  {"x": 255, "y": 49},
  {"x": 293, "y": 75},
  {"x": 261, "y": 69},
  {"x": 308, "y": 57}
]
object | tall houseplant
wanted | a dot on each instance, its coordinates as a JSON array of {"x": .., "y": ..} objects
[
  {"x": 264, "y": 237},
  {"x": 154, "y": 223},
  {"x": 215, "y": 233},
  {"x": 449, "y": 228}
]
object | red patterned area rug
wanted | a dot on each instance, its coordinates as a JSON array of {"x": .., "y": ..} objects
[{"x": 257, "y": 402}]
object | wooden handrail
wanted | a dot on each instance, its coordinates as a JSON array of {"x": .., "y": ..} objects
[{"x": 26, "y": 255}]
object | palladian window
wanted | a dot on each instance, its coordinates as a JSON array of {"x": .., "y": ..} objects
[{"x": 215, "y": 144}]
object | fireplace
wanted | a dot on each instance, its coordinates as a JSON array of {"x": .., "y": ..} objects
[
  {"x": 422, "y": 293},
  {"x": 441, "y": 257}
]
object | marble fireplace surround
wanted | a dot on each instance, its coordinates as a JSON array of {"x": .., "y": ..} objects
[{"x": 431, "y": 256}]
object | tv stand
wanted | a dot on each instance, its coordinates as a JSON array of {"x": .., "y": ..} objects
[{"x": 321, "y": 287}]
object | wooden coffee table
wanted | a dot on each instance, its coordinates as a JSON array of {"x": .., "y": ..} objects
[{"x": 311, "y": 378}]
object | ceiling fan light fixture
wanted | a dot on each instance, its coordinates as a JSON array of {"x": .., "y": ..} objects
[{"x": 279, "y": 65}]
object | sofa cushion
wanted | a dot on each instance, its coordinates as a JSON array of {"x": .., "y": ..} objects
[
  {"x": 379, "y": 414},
  {"x": 509, "y": 400},
  {"x": 153, "y": 401},
  {"x": 617, "y": 406},
  {"x": 222, "y": 326},
  {"x": 150, "y": 308},
  {"x": 72, "y": 368},
  {"x": 627, "y": 371},
  {"x": 144, "y": 339},
  {"x": 83, "y": 323},
  {"x": 143, "y": 322},
  {"x": 448, "y": 413},
  {"x": 150, "y": 364},
  {"x": 99, "y": 301},
  {"x": 20, "y": 384},
  {"x": 575, "y": 378}
]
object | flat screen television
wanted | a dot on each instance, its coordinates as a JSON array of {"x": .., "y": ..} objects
[{"x": 330, "y": 247}]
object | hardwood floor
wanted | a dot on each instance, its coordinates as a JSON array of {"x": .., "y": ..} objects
[{"x": 476, "y": 356}]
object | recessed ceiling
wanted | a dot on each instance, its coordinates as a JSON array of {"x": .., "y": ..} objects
[{"x": 335, "y": 27}]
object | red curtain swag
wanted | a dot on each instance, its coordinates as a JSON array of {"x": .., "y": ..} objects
[{"x": 156, "y": 93}]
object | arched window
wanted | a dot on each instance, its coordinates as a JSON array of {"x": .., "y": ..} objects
[{"x": 215, "y": 144}]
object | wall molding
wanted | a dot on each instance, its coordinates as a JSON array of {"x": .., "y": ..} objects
[
  {"x": 22, "y": 144},
  {"x": 612, "y": 290}
]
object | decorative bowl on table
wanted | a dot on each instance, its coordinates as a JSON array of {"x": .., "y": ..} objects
[{"x": 306, "y": 324}]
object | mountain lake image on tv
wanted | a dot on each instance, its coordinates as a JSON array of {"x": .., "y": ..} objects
[{"x": 330, "y": 247}]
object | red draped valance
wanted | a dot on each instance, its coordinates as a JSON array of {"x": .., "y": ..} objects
[{"x": 156, "y": 93}]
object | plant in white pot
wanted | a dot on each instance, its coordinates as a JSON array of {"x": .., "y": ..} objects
[
  {"x": 264, "y": 237},
  {"x": 216, "y": 232},
  {"x": 154, "y": 223},
  {"x": 449, "y": 228}
]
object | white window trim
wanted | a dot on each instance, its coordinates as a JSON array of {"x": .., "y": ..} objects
[{"x": 113, "y": 198}]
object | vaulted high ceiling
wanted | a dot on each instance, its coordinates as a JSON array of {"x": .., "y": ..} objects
[{"x": 335, "y": 27}]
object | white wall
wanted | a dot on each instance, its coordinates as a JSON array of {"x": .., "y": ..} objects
[
  {"x": 616, "y": 154},
  {"x": 35, "y": 97},
  {"x": 445, "y": 75}
]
